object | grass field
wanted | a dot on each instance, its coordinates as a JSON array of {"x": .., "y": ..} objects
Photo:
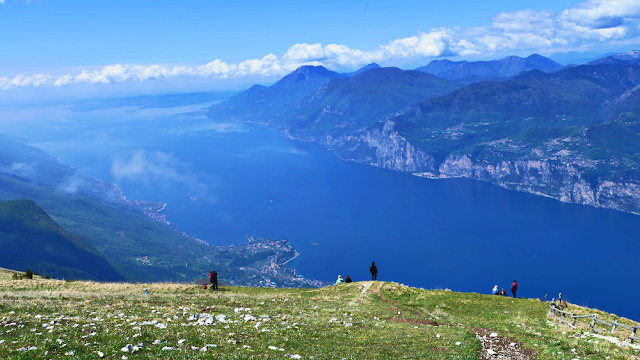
[{"x": 45, "y": 319}]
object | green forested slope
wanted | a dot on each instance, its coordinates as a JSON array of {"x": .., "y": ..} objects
[{"x": 29, "y": 238}]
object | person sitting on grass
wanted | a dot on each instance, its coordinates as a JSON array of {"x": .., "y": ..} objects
[
  {"x": 340, "y": 280},
  {"x": 495, "y": 290},
  {"x": 348, "y": 279},
  {"x": 503, "y": 293}
]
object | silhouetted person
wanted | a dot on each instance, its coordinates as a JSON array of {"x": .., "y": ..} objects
[
  {"x": 514, "y": 288},
  {"x": 348, "y": 279},
  {"x": 373, "y": 270},
  {"x": 214, "y": 280}
]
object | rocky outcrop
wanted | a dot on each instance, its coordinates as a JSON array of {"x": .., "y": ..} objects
[
  {"x": 560, "y": 181},
  {"x": 380, "y": 145}
]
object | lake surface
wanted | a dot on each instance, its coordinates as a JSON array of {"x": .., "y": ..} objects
[{"x": 223, "y": 181}]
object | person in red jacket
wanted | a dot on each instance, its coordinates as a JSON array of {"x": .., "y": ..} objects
[{"x": 514, "y": 288}]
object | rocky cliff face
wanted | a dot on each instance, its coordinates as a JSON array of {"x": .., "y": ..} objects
[
  {"x": 560, "y": 181},
  {"x": 379, "y": 145},
  {"x": 384, "y": 147}
]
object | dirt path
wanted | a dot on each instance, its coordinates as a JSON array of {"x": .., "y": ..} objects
[{"x": 363, "y": 291}]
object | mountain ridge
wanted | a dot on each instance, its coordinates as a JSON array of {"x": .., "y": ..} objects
[
  {"x": 29, "y": 238},
  {"x": 476, "y": 71}
]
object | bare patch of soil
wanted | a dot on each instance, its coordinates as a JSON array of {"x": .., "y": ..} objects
[{"x": 501, "y": 347}]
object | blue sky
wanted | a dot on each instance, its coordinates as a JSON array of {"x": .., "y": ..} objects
[{"x": 220, "y": 44}]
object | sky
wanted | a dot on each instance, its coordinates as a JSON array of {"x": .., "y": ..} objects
[{"x": 89, "y": 48}]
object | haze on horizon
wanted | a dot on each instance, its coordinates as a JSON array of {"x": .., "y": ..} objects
[{"x": 72, "y": 49}]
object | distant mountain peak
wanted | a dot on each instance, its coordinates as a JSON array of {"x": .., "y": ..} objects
[{"x": 363, "y": 69}]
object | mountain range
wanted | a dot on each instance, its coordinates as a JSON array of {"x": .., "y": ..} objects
[
  {"x": 315, "y": 100},
  {"x": 567, "y": 133},
  {"x": 466, "y": 72}
]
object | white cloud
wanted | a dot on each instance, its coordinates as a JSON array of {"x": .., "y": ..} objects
[
  {"x": 72, "y": 184},
  {"x": 590, "y": 22},
  {"x": 161, "y": 169},
  {"x": 20, "y": 169}
]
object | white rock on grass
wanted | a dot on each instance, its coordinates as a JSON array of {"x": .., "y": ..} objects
[
  {"x": 100, "y": 354},
  {"x": 493, "y": 335},
  {"x": 127, "y": 348},
  {"x": 167, "y": 348},
  {"x": 181, "y": 341},
  {"x": 206, "y": 347}
]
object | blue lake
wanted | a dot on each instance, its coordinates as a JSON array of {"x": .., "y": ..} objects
[{"x": 223, "y": 181}]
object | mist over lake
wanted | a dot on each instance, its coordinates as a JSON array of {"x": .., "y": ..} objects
[{"x": 222, "y": 181}]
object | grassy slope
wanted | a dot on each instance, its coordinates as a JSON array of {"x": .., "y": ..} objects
[
  {"x": 31, "y": 239},
  {"x": 373, "y": 320}
]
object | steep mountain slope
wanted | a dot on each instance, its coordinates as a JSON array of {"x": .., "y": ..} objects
[
  {"x": 343, "y": 105},
  {"x": 476, "y": 71},
  {"x": 133, "y": 235},
  {"x": 570, "y": 135},
  {"x": 275, "y": 103},
  {"x": 122, "y": 230},
  {"x": 29, "y": 238}
]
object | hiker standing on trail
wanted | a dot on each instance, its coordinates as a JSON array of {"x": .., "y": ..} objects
[
  {"x": 514, "y": 288},
  {"x": 373, "y": 270},
  {"x": 214, "y": 280}
]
